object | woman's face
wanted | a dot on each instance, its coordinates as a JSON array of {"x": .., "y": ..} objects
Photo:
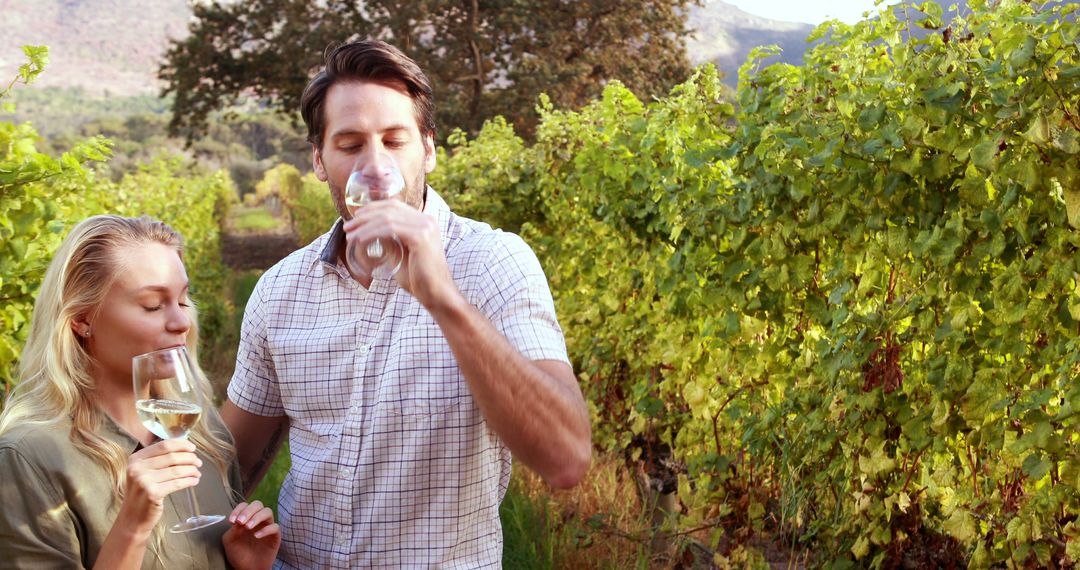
[{"x": 145, "y": 310}]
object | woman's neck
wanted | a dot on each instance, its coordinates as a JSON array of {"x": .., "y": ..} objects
[{"x": 117, "y": 400}]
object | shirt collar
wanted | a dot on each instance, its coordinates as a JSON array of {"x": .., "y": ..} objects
[
  {"x": 334, "y": 241},
  {"x": 111, "y": 431}
]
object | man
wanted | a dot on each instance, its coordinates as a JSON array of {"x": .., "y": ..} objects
[{"x": 403, "y": 397}]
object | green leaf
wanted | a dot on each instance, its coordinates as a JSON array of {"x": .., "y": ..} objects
[
  {"x": 983, "y": 155},
  {"x": 943, "y": 92},
  {"x": 1072, "y": 205},
  {"x": 1018, "y": 530},
  {"x": 1038, "y": 131},
  {"x": 1068, "y": 140},
  {"x": 877, "y": 463},
  {"x": 1036, "y": 466},
  {"x": 871, "y": 117},
  {"x": 1021, "y": 57},
  {"x": 1072, "y": 548},
  {"x": 932, "y": 9},
  {"x": 650, "y": 406},
  {"x": 961, "y": 525},
  {"x": 39, "y": 58},
  {"x": 861, "y": 547}
]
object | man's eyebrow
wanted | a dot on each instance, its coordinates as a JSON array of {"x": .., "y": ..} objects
[{"x": 354, "y": 132}]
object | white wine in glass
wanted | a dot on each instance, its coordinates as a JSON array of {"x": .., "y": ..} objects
[
  {"x": 168, "y": 419},
  {"x": 169, "y": 403},
  {"x": 374, "y": 177}
]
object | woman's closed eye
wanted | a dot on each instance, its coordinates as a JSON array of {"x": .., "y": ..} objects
[{"x": 185, "y": 304}]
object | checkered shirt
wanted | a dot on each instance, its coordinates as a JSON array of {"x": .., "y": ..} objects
[{"x": 393, "y": 465}]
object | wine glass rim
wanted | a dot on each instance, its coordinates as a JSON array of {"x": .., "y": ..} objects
[{"x": 152, "y": 353}]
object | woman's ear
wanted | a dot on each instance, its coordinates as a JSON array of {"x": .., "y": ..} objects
[{"x": 81, "y": 327}]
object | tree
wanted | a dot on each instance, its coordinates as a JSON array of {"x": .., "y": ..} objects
[{"x": 485, "y": 57}]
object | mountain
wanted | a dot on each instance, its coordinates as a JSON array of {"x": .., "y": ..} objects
[
  {"x": 114, "y": 47},
  {"x": 107, "y": 47},
  {"x": 724, "y": 35}
]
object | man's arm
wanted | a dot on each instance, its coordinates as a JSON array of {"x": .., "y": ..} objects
[
  {"x": 258, "y": 440},
  {"x": 535, "y": 407}
]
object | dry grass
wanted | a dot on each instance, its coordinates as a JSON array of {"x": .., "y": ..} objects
[
  {"x": 603, "y": 524},
  {"x": 595, "y": 525}
]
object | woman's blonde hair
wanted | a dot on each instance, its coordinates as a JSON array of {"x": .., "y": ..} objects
[{"x": 55, "y": 379}]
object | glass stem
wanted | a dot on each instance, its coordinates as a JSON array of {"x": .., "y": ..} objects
[
  {"x": 193, "y": 505},
  {"x": 375, "y": 249}
]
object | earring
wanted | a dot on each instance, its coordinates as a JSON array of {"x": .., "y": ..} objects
[{"x": 86, "y": 333}]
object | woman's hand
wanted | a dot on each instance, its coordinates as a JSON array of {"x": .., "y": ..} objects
[
  {"x": 153, "y": 473},
  {"x": 253, "y": 540}
]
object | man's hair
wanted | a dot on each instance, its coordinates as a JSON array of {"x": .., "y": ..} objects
[{"x": 368, "y": 60}]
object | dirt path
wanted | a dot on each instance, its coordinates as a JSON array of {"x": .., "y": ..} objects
[{"x": 256, "y": 250}]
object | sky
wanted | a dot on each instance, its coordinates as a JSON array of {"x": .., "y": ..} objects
[{"x": 808, "y": 11}]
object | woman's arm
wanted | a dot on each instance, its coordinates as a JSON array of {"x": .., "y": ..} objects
[
  {"x": 37, "y": 527},
  {"x": 36, "y": 522}
]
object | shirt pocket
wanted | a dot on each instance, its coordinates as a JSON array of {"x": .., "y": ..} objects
[
  {"x": 421, "y": 379},
  {"x": 316, "y": 373}
]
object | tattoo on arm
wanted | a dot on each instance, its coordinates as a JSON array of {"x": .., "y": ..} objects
[{"x": 252, "y": 477}]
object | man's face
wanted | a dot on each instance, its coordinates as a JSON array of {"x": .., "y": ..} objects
[{"x": 366, "y": 117}]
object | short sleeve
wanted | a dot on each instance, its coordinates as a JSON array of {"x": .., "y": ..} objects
[
  {"x": 37, "y": 527},
  {"x": 514, "y": 294},
  {"x": 254, "y": 385}
]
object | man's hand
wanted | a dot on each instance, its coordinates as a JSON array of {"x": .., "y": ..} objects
[{"x": 424, "y": 272}]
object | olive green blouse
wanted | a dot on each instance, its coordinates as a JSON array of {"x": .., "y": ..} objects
[{"x": 57, "y": 504}]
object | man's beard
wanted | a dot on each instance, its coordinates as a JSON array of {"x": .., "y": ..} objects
[{"x": 413, "y": 195}]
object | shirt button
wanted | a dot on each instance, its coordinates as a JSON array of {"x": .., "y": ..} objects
[
  {"x": 346, "y": 472},
  {"x": 362, "y": 349}
]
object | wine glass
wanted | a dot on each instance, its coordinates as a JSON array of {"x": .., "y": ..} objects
[
  {"x": 169, "y": 402},
  {"x": 374, "y": 177}
]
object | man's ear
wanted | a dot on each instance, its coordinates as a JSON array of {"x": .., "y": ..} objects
[
  {"x": 317, "y": 165},
  {"x": 429, "y": 153}
]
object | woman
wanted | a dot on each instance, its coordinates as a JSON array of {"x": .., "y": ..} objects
[{"x": 82, "y": 482}]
